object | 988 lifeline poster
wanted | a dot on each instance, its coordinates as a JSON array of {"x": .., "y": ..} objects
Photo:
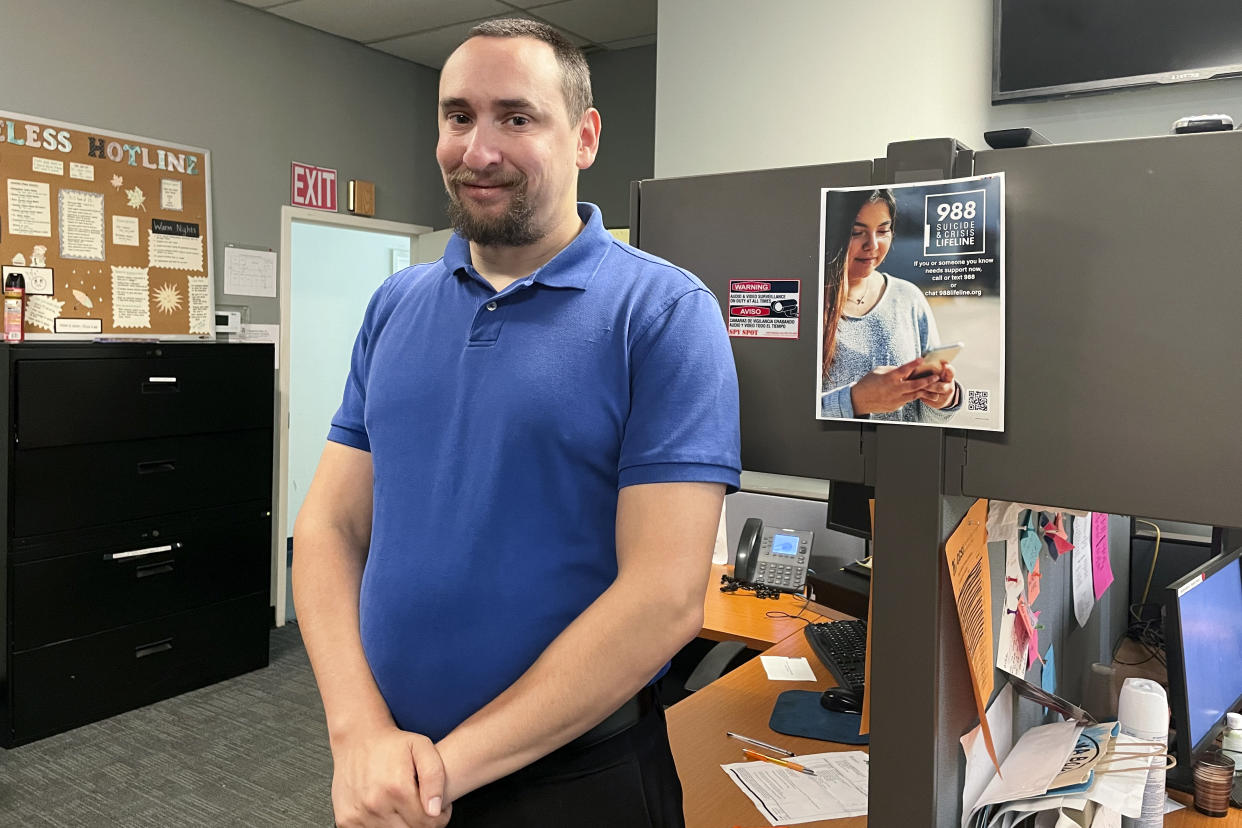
[{"x": 912, "y": 304}]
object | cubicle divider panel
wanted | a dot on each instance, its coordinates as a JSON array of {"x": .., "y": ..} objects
[
  {"x": 1123, "y": 294},
  {"x": 762, "y": 227}
]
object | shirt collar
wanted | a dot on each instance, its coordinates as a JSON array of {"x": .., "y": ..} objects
[{"x": 573, "y": 267}]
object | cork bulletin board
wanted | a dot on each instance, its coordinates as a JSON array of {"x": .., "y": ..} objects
[{"x": 112, "y": 232}]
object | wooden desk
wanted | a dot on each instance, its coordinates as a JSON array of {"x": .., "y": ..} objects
[
  {"x": 740, "y": 616},
  {"x": 740, "y": 701}
]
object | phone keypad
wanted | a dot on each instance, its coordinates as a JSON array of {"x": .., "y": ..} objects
[{"x": 776, "y": 573}]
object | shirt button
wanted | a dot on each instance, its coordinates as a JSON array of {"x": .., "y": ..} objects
[{"x": 491, "y": 306}]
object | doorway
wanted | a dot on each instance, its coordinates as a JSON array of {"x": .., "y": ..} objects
[{"x": 331, "y": 263}]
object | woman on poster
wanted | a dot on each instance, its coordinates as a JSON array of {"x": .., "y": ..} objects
[{"x": 876, "y": 326}]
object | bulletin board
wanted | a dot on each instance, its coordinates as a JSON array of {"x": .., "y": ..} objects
[{"x": 112, "y": 232}]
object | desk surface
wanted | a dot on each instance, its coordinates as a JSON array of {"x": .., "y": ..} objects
[
  {"x": 740, "y": 616},
  {"x": 740, "y": 701}
]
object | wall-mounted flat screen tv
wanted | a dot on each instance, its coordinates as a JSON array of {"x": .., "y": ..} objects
[{"x": 1053, "y": 48}]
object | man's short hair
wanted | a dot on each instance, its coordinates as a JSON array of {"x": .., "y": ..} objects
[{"x": 575, "y": 73}]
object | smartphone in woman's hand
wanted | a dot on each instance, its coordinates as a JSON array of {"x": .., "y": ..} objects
[{"x": 933, "y": 359}]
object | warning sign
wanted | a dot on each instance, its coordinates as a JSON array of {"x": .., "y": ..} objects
[{"x": 766, "y": 308}]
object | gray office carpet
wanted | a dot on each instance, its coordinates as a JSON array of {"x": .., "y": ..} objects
[{"x": 250, "y": 751}]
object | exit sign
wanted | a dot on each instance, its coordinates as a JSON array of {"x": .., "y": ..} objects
[{"x": 313, "y": 187}]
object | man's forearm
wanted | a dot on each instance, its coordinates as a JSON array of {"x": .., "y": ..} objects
[
  {"x": 574, "y": 684},
  {"x": 327, "y": 577}
]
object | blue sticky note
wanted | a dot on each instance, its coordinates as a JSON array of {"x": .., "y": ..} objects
[
  {"x": 1029, "y": 544},
  {"x": 1048, "y": 680}
]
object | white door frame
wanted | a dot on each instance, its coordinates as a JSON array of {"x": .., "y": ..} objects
[{"x": 288, "y": 215}]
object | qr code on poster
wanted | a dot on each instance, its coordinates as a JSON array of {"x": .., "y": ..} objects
[{"x": 977, "y": 400}]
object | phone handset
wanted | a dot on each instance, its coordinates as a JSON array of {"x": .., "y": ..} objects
[{"x": 777, "y": 558}]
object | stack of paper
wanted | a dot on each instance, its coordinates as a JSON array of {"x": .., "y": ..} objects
[{"x": 1060, "y": 775}]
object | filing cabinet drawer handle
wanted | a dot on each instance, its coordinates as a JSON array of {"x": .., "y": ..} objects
[
  {"x": 157, "y": 466},
  {"x": 153, "y": 569},
  {"x": 154, "y": 647},
  {"x": 139, "y": 553},
  {"x": 160, "y": 385}
]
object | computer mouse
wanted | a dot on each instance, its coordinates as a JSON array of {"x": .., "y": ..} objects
[{"x": 841, "y": 700}]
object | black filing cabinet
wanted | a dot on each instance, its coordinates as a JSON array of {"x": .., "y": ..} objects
[{"x": 138, "y": 526}]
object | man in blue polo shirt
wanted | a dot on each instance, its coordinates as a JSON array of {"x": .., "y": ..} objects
[{"x": 510, "y": 530}]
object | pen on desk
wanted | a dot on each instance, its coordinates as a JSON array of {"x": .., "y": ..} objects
[
  {"x": 758, "y": 743},
  {"x": 747, "y": 752}
]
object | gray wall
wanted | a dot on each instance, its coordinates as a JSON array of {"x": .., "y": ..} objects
[
  {"x": 255, "y": 90},
  {"x": 624, "y": 84}
]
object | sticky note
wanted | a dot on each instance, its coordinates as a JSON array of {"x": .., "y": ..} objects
[{"x": 1101, "y": 567}]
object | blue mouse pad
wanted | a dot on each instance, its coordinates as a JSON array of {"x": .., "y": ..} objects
[{"x": 798, "y": 713}]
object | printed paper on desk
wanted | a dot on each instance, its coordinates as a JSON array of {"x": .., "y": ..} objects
[
  {"x": 1080, "y": 563},
  {"x": 979, "y": 769},
  {"x": 1033, "y": 763},
  {"x": 785, "y": 797},
  {"x": 780, "y": 668},
  {"x": 967, "y": 554}
]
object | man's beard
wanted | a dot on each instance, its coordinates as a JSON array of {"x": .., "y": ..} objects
[{"x": 515, "y": 227}]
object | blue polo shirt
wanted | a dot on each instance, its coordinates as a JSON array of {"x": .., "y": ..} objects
[{"x": 501, "y": 427}]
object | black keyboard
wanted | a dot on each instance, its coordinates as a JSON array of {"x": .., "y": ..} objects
[{"x": 842, "y": 648}]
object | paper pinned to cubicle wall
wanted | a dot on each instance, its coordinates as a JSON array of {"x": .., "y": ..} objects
[
  {"x": 1011, "y": 645},
  {"x": 1083, "y": 586},
  {"x": 1101, "y": 567},
  {"x": 967, "y": 554}
]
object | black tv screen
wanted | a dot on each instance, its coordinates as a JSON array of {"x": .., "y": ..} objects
[{"x": 1048, "y": 48}]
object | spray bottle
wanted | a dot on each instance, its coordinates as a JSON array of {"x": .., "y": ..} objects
[
  {"x": 14, "y": 306},
  {"x": 1143, "y": 712}
]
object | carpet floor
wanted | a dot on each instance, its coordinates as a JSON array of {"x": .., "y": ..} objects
[{"x": 249, "y": 751}]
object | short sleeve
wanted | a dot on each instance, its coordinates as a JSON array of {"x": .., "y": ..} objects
[
  {"x": 349, "y": 423},
  {"x": 683, "y": 419}
]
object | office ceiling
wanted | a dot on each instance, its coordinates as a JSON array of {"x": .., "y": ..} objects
[{"x": 426, "y": 31}]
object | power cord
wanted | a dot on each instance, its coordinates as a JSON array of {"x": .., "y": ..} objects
[{"x": 1149, "y": 633}]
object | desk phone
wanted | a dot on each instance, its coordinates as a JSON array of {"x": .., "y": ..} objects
[{"x": 777, "y": 558}]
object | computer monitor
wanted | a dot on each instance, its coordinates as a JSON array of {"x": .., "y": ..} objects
[
  {"x": 1203, "y": 644},
  {"x": 849, "y": 508}
]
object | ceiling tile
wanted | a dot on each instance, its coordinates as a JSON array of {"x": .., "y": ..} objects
[
  {"x": 601, "y": 21},
  {"x": 630, "y": 43},
  {"x": 433, "y": 48},
  {"x": 370, "y": 20},
  {"x": 262, "y": 4}
]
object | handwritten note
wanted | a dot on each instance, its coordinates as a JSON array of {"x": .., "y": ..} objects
[
  {"x": 1101, "y": 567},
  {"x": 1032, "y": 583},
  {"x": 1084, "y": 597}
]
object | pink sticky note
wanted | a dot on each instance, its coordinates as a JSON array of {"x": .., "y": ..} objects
[
  {"x": 1101, "y": 569},
  {"x": 1026, "y": 627}
]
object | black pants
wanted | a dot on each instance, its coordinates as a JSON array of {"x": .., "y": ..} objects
[{"x": 626, "y": 781}]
